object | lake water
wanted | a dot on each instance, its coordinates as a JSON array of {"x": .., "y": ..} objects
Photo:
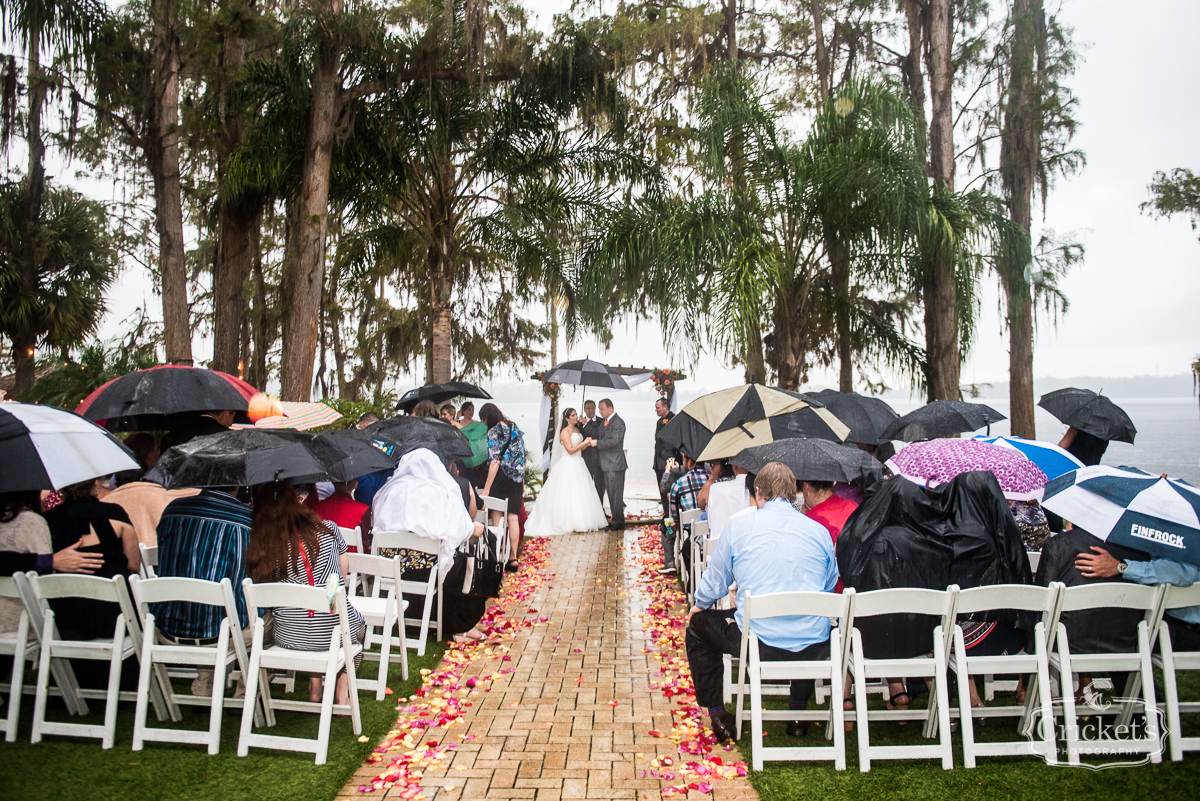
[{"x": 1168, "y": 439}]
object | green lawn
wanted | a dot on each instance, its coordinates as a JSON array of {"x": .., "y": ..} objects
[
  {"x": 67, "y": 768},
  {"x": 994, "y": 778}
]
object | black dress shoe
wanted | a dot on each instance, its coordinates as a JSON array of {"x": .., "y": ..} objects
[
  {"x": 724, "y": 726},
  {"x": 615, "y": 527},
  {"x": 797, "y": 728}
]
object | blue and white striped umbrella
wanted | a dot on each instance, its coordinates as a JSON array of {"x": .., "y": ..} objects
[
  {"x": 1131, "y": 507},
  {"x": 1053, "y": 460}
]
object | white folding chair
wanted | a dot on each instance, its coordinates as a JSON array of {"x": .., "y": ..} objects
[
  {"x": 1036, "y": 665},
  {"x": 22, "y": 648},
  {"x": 386, "y": 612},
  {"x": 500, "y": 530},
  {"x": 149, "y": 560},
  {"x": 939, "y": 603},
  {"x": 340, "y": 655},
  {"x": 1169, "y": 661},
  {"x": 1139, "y": 690},
  {"x": 394, "y": 540},
  {"x": 682, "y": 537},
  {"x": 65, "y": 685},
  {"x": 157, "y": 653},
  {"x": 125, "y": 642},
  {"x": 353, "y": 537},
  {"x": 697, "y": 541},
  {"x": 833, "y": 669}
]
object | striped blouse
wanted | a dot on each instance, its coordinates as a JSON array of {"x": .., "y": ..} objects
[{"x": 293, "y": 628}]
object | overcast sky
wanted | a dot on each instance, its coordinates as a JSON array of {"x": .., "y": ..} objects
[{"x": 1134, "y": 301}]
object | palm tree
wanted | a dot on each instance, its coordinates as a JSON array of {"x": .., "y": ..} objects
[
  {"x": 484, "y": 185},
  {"x": 67, "y": 26},
  {"x": 750, "y": 259},
  {"x": 73, "y": 265}
]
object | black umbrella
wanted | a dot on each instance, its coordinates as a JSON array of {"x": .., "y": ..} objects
[
  {"x": 240, "y": 458},
  {"x": 440, "y": 393},
  {"x": 245, "y": 457},
  {"x": 158, "y": 398},
  {"x": 867, "y": 417},
  {"x": 810, "y": 459},
  {"x": 406, "y": 434},
  {"x": 1091, "y": 412},
  {"x": 942, "y": 418},
  {"x": 585, "y": 373}
]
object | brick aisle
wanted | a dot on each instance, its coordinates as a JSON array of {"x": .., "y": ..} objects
[{"x": 549, "y": 731}]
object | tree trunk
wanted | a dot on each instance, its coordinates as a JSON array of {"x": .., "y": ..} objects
[
  {"x": 731, "y": 39},
  {"x": 914, "y": 76},
  {"x": 824, "y": 68},
  {"x": 235, "y": 223},
  {"x": 441, "y": 316},
  {"x": 839, "y": 260},
  {"x": 304, "y": 260},
  {"x": 1019, "y": 147},
  {"x": 163, "y": 157},
  {"x": 262, "y": 329},
  {"x": 941, "y": 312},
  {"x": 756, "y": 366},
  {"x": 25, "y": 345}
]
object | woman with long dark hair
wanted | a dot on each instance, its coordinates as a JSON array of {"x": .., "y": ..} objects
[
  {"x": 291, "y": 544},
  {"x": 505, "y": 471}
]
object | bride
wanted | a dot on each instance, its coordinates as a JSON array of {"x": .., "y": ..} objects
[{"x": 568, "y": 500}]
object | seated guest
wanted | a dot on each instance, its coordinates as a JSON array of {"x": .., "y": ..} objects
[
  {"x": 290, "y": 544},
  {"x": 1183, "y": 623},
  {"x": 22, "y": 530},
  {"x": 727, "y": 495},
  {"x": 144, "y": 501},
  {"x": 422, "y": 497},
  {"x": 1109, "y": 630},
  {"x": 683, "y": 496},
  {"x": 105, "y": 529},
  {"x": 202, "y": 536},
  {"x": 830, "y": 510},
  {"x": 341, "y": 509},
  {"x": 776, "y": 549}
]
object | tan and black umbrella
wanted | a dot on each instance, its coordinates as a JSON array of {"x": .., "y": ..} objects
[{"x": 724, "y": 423}]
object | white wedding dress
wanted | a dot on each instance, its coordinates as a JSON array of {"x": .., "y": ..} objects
[{"x": 568, "y": 502}]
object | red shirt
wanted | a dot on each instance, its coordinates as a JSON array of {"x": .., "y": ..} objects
[
  {"x": 832, "y": 514},
  {"x": 345, "y": 512}
]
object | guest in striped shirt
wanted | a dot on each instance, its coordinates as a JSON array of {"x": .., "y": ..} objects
[
  {"x": 202, "y": 537},
  {"x": 295, "y": 546}
]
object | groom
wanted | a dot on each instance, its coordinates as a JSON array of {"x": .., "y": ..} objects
[{"x": 611, "y": 444}]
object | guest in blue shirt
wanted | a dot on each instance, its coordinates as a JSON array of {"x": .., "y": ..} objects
[
  {"x": 1183, "y": 623},
  {"x": 775, "y": 549}
]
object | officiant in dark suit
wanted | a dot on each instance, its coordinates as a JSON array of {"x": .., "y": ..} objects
[
  {"x": 663, "y": 451},
  {"x": 611, "y": 444},
  {"x": 590, "y": 425}
]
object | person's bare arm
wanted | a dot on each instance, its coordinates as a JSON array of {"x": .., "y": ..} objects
[
  {"x": 1068, "y": 437},
  {"x": 702, "y": 496},
  {"x": 70, "y": 560},
  {"x": 564, "y": 437},
  {"x": 493, "y": 468},
  {"x": 129, "y": 544}
]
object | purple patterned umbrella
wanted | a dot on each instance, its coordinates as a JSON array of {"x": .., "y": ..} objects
[{"x": 939, "y": 460}]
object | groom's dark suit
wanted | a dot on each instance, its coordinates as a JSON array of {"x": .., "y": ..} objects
[{"x": 591, "y": 456}]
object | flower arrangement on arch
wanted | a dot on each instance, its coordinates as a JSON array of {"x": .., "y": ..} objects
[
  {"x": 549, "y": 388},
  {"x": 664, "y": 380}
]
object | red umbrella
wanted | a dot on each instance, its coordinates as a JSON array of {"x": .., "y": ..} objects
[{"x": 153, "y": 398}]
